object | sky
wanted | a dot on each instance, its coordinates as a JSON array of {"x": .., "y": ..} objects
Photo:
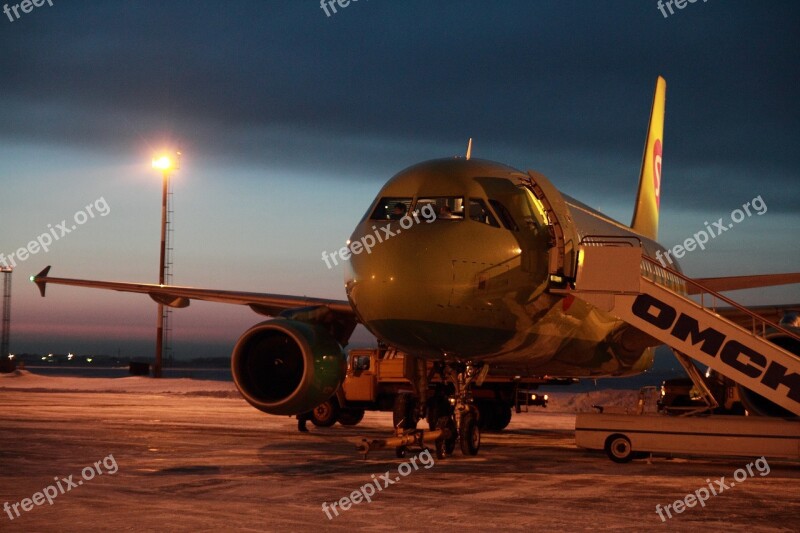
[{"x": 290, "y": 120}]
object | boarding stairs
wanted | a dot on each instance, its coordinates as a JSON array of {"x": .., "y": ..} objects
[{"x": 617, "y": 277}]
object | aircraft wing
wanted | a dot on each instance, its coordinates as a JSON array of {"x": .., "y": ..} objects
[
  {"x": 735, "y": 283},
  {"x": 773, "y": 313},
  {"x": 314, "y": 309}
]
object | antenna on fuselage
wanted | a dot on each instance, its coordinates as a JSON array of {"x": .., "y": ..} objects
[{"x": 469, "y": 149}]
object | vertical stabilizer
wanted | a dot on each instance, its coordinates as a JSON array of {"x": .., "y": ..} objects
[{"x": 648, "y": 199}]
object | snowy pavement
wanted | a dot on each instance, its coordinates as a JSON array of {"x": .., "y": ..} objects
[{"x": 189, "y": 456}]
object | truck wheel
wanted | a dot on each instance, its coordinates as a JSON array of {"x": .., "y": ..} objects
[
  {"x": 470, "y": 435},
  {"x": 487, "y": 413},
  {"x": 495, "y": 415},
  {"x": 502, "y": 417},
  {"x": 618, "y": 448},
  {"x": 325, "y": 414},
  {"x": 404, "y": 414},
  {"x": 350, "y": 417}
]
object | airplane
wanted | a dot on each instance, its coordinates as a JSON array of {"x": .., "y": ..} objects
[{"x": 461, "y": 262}]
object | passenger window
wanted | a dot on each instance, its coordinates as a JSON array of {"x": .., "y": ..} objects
[
  {"x": 505, "y": 215},
  {"x": 445, "y": 207},
  {"x": 391, "y": 208},
  {"x": 480, "y": 213}
]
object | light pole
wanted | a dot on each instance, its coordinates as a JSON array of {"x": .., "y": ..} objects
[
  {"x": 5, "y": 325},
  {"x": 166, "y": 164}
]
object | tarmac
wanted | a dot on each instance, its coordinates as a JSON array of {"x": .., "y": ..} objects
[{"x": 199, "y": 462}]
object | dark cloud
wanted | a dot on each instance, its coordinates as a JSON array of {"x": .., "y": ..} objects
[{"x": 383, "y": 83}]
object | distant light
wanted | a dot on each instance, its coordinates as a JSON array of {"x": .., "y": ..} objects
[
  {"x": 44, "y": 358},
  {"x": 162, "y": 163},
  {"x": 32, "y": 278},
  {"x": 11, "y": 356},
  {"x": 88, "y": 359},
  {"x": 70, "y": 356}
]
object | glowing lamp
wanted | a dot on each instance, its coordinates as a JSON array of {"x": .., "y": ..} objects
[{"x": 162, "y": 163}]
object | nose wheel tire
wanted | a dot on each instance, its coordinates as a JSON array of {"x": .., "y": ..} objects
[
  {"x": 446, "y": 446},
  {"x": 404, "y": 412},
  {"x": 469, "y": 435}
]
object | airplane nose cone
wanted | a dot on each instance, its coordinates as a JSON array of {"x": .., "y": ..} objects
[
  {"x": 400, "y": 273},
  {"x": 419, "y": 288}
]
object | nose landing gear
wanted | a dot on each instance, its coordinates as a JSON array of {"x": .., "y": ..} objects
[
  {"x": 453, "y": 419},
  {"x": 465, "y": 415}
]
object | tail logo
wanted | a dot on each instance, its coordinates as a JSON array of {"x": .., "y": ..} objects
[{"x": 657, "y": 171}]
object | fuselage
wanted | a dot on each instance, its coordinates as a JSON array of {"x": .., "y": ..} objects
[{"x": 451, "y": 261}]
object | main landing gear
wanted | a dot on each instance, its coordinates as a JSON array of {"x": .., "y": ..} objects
[{"x": 452, "y": 417}]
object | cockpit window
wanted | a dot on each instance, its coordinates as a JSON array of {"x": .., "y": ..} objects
[
  {"x": 445, "y": 207},
  {"x": 505, "y": 215},
  {"x": 480, "y": 213},
  {"x": 391, "y": 208}
]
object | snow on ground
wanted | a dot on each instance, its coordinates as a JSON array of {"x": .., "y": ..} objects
[
  {"x": 583, "y": 402},
  {"x": 26, "y": 380},
  {"x": 561, "y": 402},
  {"x": 188, "y": 461}
]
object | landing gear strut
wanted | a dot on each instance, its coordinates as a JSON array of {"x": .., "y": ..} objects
[
  {"x": 465, "y": 415},
  {"x": 453, "y": 419}
]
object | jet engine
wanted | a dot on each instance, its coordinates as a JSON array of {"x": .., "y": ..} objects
[
  {"x": 286, "y": 367},
  {"x": 757, "y": 404}
]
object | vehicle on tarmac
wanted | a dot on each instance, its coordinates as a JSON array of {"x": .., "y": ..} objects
[
  {"x": 680, "y": 395},
  {"x": 625, "y": 437}
]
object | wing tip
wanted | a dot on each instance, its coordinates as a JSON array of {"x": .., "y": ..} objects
[{"x": 40, "y": 280}]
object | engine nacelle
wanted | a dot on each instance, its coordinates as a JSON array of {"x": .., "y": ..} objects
[
  {"x": 286, "y": 367},
  {"x": 757, "y": 404}
]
